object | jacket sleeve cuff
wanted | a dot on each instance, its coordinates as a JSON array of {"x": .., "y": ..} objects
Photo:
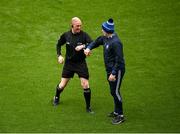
[
  {"x": 113, "y": 72},
  {"x": 88, "y": 47},
  {"x": 58, "y": 54}
]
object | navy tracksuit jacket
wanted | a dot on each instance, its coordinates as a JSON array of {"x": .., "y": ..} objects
[{"x": 114, "y": 63}]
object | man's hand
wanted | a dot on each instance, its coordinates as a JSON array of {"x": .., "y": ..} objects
[
  {"x": 60, "y": 59},
  {"x": 112, "y": 77},
  {"x": 87, "y": 52},
  {"x": 80, "y": 47}
]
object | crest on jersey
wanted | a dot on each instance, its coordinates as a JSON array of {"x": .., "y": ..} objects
[{"x": 107, "y": 46}]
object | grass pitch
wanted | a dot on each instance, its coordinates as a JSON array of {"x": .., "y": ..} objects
[{"x": 29, "y": 71}]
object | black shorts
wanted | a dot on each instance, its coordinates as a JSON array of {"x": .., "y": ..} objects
[{"x": 79, "y": 68}]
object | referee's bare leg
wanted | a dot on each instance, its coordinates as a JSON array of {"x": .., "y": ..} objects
[{"x": 60, "y": 87}]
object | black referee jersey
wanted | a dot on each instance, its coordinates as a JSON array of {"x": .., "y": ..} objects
[{"x": 72, "y": 40}]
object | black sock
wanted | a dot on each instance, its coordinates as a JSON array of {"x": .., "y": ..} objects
[
  {"x": 58, "y": 91},
  {"x": 87, "y": 96}
]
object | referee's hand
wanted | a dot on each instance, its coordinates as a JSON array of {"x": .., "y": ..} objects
[{"x": 60, "y": 59}]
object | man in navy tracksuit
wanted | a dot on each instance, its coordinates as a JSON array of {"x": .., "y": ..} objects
[{"x": 114, "y": 63}]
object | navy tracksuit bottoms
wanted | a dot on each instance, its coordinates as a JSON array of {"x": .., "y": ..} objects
[{"x": 115, "y": 91}]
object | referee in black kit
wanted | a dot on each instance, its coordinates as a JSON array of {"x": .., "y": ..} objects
[{"x": 76, "y": 41}]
